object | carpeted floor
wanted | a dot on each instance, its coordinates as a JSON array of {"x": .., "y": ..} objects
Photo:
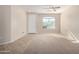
[{"x": 41, "y": 44}]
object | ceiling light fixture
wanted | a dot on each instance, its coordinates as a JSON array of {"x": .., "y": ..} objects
[{"x": 54, "y": 8}]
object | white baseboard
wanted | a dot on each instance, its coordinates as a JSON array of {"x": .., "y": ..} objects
[
  {"x": 7, "y": 42},
  {"x": 11, "y": 41}
]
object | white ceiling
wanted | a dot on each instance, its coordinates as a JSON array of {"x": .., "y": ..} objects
[{"x": 42, "y": 8}]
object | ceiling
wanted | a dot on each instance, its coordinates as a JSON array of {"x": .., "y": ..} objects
[{"x": 43, "y": 8}]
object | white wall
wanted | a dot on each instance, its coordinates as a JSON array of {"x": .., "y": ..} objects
[
  {"x": 1, "y": 20},
  {"x": 70, "y": 21},
  {"x": 19, "y": 23},
  {"x": 5, "y": 23},
  {"x": 13, "y": 23}
]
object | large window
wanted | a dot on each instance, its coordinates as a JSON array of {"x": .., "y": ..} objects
[{"x": 48, "y": 22}]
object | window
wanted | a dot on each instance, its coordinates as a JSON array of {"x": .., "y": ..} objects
[{"x": 48, "y": 22}]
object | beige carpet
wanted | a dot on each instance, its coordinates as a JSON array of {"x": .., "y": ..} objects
[{"x": 42, "y": 44}]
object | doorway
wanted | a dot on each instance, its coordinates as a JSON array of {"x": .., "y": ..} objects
[{"x": 48, "y": 23}]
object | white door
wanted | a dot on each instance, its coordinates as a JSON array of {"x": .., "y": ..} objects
[{"x": 32, "y": 23}]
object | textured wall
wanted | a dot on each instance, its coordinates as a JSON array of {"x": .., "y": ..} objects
[{"x": 70, "y": 21}]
